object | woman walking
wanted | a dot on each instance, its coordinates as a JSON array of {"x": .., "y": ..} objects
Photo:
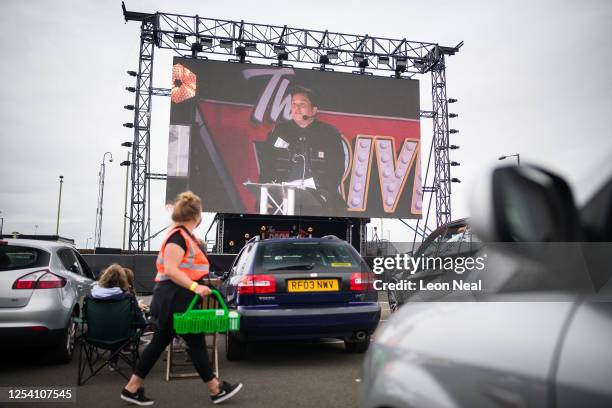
[{"x": 180, "y": 264}]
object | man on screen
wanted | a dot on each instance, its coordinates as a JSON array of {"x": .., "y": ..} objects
[{"x": 307, "y": 152}]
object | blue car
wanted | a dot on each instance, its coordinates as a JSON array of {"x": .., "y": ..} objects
[{"x": 300, "y": 288}]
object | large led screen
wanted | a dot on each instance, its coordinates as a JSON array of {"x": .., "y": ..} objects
[{"x": 257, "y": 139}]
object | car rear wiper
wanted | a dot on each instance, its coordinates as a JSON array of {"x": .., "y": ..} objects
[{"x": 303, "y": 266}]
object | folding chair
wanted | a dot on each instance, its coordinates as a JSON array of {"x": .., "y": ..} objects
[{"x": 110, "y": 334}]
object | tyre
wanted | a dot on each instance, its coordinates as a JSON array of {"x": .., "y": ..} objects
[
  {"x": 235, "y": 349},
  {"x": 63, "y": 350},
  {"x": 357, "y": 346}
]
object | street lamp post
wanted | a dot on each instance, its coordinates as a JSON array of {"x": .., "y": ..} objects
[
  {"x": 99, "y": 211},
  {"x": 59, "y": 205},
  {"x": 87, "y": 242},
  {"x": 517, "y": 155}
]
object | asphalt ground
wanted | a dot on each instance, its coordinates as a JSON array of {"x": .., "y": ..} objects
[{"x": 276, "y": 374}]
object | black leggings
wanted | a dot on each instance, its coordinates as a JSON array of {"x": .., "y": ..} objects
[{"x": 161, "y": 338}]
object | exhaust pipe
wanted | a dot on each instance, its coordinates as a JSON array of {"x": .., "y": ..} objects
[{"x": 360, "y": 335}]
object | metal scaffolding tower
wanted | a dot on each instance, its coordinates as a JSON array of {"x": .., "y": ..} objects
[{"x": 199, "y": 37}]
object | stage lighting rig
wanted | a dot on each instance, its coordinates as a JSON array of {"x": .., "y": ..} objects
[
  {"x": 132, "y": 73},
  {"x": 206, "y": 41},
  {"x": 180, "y": 39},
  {"x": 401, "y": 62},
  {"x": 128, "y": 125},
  {"x": 332, "y": 55},
  {"x": 452, "y": 100},
  {"x": 195, "y": 48},
  {"x": 452, "y": 115},
  {"x": 453, "y": 131},
  {"x": 250, "y": 46},
  {"x": 358, "y": 57},
  {"x": 383, "y": 59},
  {"x": 324, "y": 59},
  {"x": 126, "y": 144},
  {"x": 129, "y": 107},
  {"x": 226, "y": 44},
  {"x": 279, "y": 49},
  {"x": 455, "y": 180},
  {"x": 455, "y": 164},
  {"x": 130, "y": 89},
  {"x": 241, "y": 53}
]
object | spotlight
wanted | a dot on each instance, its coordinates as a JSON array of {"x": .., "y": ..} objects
[
  {"x": 452, "y": 100},
  {"x": 263, "y": 228},
  {"x": 241, "y": 53},
  {"x": 132, "y": 73},
  {"x": 130, "y": 89},
  {"x": 231, "y": 243},
  {"x": 247, "y": 236},
  {"x": 324, "y": 59},
  {"x": 383, "y": 59},
  {"x": 454, "y": 164},
  {"x": 452, "y": 115},
  {"x": 401, "y": 62},
  {"x": 126, "y": 144},
  {"x": 332, "y": 54},
  {"x": 284, "y": 56},
  {"x": 358, "y": 57},
  {"x": 250, "y": 46},
  {"x": 128, "y": 125},
  {"x": 364, "y": 64},
  {"x": 453, "y": 147},
  {"x": 129, "y": 107},
  {"x": 455, "y": 180},
  {"x": 279, "y": 49},
  {"x": 419, "y": 63},
  {"x": 453, "y": 131},
  {"x": 206, "y": 41},
  {"x": 196, "y": 47},
  {"x": 125, "y": 163},
  {"x": 180, "y": 38},
  {"x": 227, "y": 44},
  {"x": 310, "y": 229},
  {"x": 399, "y": 69}
]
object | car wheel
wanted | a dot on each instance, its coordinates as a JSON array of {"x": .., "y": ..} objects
[
  {"x": 357, "y": 346},
  {"x": 235, "y": 349},
  {"x": 62, "y": 352}
]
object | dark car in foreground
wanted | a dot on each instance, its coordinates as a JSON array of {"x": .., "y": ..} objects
[
  {"x": 301, "y": 288},
  {"x": 542, "y": 340},
  {"x": 42, "y": 286}
]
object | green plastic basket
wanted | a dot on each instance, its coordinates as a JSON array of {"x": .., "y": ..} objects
[{"x": 206, "y": 320}]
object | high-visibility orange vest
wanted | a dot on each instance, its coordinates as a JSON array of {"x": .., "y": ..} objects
[{"x": 194, "y": 263}]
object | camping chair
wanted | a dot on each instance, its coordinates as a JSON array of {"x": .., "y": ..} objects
[{"x": 110, "y": 334}]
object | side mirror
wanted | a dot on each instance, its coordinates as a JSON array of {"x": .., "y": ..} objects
[{"x": 525, "y": 204}]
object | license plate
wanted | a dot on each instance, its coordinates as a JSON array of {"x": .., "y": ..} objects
[{"x": 313, "y": 285}]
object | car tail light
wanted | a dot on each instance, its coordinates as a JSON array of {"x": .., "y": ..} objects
[
  {"x": 361, "y": 281},
  {"x": 38, "y": 328},
  {"x": 39, "y": 280},
  {"x": 257, "y": 284},
  {"x": 3, "y": 243}
]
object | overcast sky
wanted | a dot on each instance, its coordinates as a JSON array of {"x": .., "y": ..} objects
[{"x": 532, "y": 78}]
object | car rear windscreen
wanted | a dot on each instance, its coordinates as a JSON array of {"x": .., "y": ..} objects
[
  {"x": 18, "y": 257},
  {"x": 317, "y": 254}
]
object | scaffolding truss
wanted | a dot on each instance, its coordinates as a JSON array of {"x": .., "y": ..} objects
[{"x": 199, "y": 37}]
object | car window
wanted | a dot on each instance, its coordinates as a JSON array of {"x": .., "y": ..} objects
[
  {"x": 19, "y": 257},
  {"x": 323, "y": 254},
  {"x": 243, "y": 263},
  {"x": 69, "y": 260},
  {"x": 84, "y": 266}
]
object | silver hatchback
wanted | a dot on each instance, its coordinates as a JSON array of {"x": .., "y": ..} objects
[{"x": 42, "y": 286}]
